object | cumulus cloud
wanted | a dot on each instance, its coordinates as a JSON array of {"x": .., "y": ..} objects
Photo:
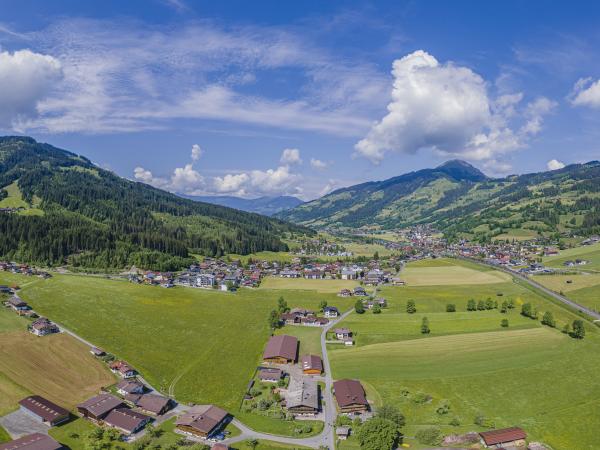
[
  {"x": 290, "y": 156},
  {"x": 196, "y": 152},
  {"x": 187, "y": 180},
  {"x": 318, "y": 164},
  {"x": 555, "y": 164},
  {"x": 586, "y": 92},
  {"x": 446, "y": 108},
  {"x": 231, "y": 183},
  {"x": 25, "y": 79}
]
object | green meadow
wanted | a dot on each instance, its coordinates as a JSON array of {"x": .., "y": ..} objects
[
  {"x": 527, "y": 374},
  {"x": 590, "y": 253},
  {"x": 199, "y": 345}
]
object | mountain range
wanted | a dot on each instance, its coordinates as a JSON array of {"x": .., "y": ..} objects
[
  {"x": 461, "y": 201},
  {"x": 57, "y": 207},
  {"x": 267, "y": 206}
]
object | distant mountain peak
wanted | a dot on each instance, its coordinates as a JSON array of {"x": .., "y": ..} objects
[{"x": 461, "y": 170}]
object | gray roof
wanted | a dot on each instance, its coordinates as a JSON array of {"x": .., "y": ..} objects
[{"x": 302, "y": 392}]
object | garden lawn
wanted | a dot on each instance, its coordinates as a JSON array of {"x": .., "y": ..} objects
[
  {"x": 322, "y": 286},
  {"x": 74, "y": 435},
  {"x": 199, "y": 345},
  {"x": 520, "y": 377}
]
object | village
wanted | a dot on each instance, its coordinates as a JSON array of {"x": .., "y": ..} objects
[{"x": 292, "y": 384}]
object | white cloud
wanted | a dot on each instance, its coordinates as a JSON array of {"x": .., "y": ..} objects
[
  {"x": 446, "y": 108},
  {"x": 196, "y": 152},
  {"x": 555, "y": 164},
  {"x": 125, "y": 76},
  {"x": 318, "y": 164},
  {"x": 25, "y": 79},
  {"x": 586, "y": 93},
  {"x": 187, "y": 180},
  {"x": 231, "y": 183},
  {"x": 290, "y": 156}
]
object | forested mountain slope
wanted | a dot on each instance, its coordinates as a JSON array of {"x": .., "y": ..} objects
[
  {"x": 66, "y": 209},
  {"x": 459, "y": 200}
]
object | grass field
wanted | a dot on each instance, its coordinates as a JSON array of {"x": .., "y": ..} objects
[
  {"x": 583, "y": 289},
  {"x": 309, "y": 337},
  {"x": 57, "y": 367},
  {"x": 559, "y": 282},
  {"x": 322, "y": 286},
  {"x": 446, "y": 272},
  {"x": 15, "y": 200},
  {"x": 4, "y": 436},
  {"x": 523, "y": 375},
  {"x": 590, "y": 253},
  {"x": 518, "y": 234},
  {"x": 175, "y": 337},
  {"x": 520, "y": 377}
]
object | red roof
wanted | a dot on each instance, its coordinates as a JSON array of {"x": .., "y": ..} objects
[{"x": 502, "y": 436}]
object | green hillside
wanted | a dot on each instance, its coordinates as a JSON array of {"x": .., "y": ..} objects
[
  {"x": 67, "y": 210},
  {"x": 460, "y": 200}
]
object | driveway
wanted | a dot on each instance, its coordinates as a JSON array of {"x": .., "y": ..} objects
[{"x": 19, "y": 423}]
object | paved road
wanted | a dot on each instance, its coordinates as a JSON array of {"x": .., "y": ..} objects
[{"x": 557, "y": 296}]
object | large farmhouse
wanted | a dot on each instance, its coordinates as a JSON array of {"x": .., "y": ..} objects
[
  {"x": 44, "y": 410},
  {"x": 98, "y": 407},
  {"x": 303, "y": 397},
  {"x": 202, "y": 420},
  {"x": 350, "y": 396},
  {"x": 281, "y": 349},
  {"x": 126, "y": 420}
]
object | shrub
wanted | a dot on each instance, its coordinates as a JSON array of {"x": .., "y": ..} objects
[
  {"x": 376, "y": 309},
  {"x": 443, "y": 407},
  {"x": 421, "y": 398},
  {"x": 455, "y": 422},
  {"x": 471, "y": 305},
  {"x": 425, "y": 326},
  {"x": 411, "y": 308},
  {"x": 450, "y": 307},
  {"x": 480, "y": 305},
  {"x": 358, "y": 307},
  {"x": 548, "y": 319},
  {"x": 578, "y": 329},
  {"x": 429, "y": 436},
  {"x": 504, "y": 323}
]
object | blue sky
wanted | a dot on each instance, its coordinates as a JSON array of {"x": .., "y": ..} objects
[{"x": 268, "y": 98}]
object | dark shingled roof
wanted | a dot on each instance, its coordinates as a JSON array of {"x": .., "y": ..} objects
[
  {"x": 349, "y": 392},
  {"x": 35, "y": 441},
  {"x": 125, "y": 419},
  {"x": 43, "y": 408},
  {"x": 203, "y": 418},
  {"x": 153, "y": 403},
  {"x": 101, "y": 404},
  {"x": 495, "y": 437},
  {"x": 282, "y": 347}
]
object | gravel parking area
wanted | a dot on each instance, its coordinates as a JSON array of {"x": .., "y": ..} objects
[{"x": 19, "y": 423}]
